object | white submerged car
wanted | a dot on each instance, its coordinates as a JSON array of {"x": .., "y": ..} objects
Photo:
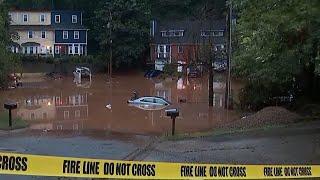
[
  {"x": 150, "y": 100},
  {"x": 147, "y": 107}
]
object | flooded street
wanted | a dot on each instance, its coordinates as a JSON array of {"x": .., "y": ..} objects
[{"x": 101, "y": 106}]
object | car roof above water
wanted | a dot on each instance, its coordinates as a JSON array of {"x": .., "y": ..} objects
[{"x": 154, "y": 97}]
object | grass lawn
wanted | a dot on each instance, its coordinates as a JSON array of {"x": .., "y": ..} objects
[{"x": 17, "y": 123}]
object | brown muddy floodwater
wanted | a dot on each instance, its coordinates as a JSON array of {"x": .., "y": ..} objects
[{"x": 65, "y": 106}]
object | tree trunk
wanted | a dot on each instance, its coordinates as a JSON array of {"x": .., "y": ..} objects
[{"x": 210, "y": 85}]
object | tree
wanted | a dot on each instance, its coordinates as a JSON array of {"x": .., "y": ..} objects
[
  {"x": 196, "y": 9},
  {"x": 8, "y": 61},
  {"x": 278, "y": 44},
  {"x": 129, "y": 23}
]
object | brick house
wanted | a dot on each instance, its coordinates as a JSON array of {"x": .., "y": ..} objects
[{"x": 178, "y": 42}]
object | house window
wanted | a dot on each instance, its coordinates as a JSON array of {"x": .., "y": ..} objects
[
  {"x": 32, "y": 116},
  {"x": 10, "y": 17},
  {"x": 70, "y": 49},
  {"x": 30, "y": 34},
  {"x": 57, "y": 18},
  {"x": 66, "y": 114},
  {"x": 76, "y": 34},
  {"x": 31, "y": 50},
  {"x": 43, "y": 34},
  {"x": 163, "y": 51},
  {"x": 65, "y": 34},
  {"x": 42, "y": 18},
  {"x": 76, "y": 49},
  {"x": 57, "y": 51},
  {"x": 77, "y": 113},
  {"x": 180, "y": 49},
  {"x": 74, "y": 18},
  {"x": 172, "y": 33},
  {"x": 212, "y": 33},
  {"x": 219, "y": 47},
  {"x": 25, "y": 18}
]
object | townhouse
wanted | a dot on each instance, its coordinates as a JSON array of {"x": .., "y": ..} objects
[
  {"x": 70, "y": 34},
  {"x": 34, "y": 32},
  {"x": 48, "y": 33},
  {"x": 179, "y": 41}
]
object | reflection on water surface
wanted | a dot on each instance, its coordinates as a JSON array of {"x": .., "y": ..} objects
[{"x": 102, "y": 106}]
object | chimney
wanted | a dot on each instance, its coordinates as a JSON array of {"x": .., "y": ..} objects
[{"x": 152, "y": 28}]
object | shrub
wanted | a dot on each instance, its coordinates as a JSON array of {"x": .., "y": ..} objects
[
  {"x": 169, "y": 69},
  {"x": 257, "y": 95}
]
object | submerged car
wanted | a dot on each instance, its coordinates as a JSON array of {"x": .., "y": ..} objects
[
  {"x": 84, "y": 72},
  {"x": 147, "y": 107},
  {"x": 150, "y": 100},
  {"x": 152, "y": 73},
  {"x": 220, "y": 65}
]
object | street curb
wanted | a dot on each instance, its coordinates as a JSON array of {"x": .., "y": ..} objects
[{"x": 5, "y": 132}]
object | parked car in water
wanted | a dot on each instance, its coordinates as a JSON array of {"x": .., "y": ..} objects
[
  {"x": 220, "y": 65},
  {"x": 150, "y": 100},
  {"x": 15, "y": 81},
  {"x": 152, "y": 73},
  {"x": 147, "y": 107},
  {"x": 194, "y": 73},
  {"x": 83, "y": 71}
]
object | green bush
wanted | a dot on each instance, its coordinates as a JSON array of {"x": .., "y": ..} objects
[
  {"x": 9, "y": 63},
  {"x": 257, "y": 95},
  {"x": 47, "y": 59},
  {"x": 253, "y": 97},
  {"x": 169, "y": 69}
]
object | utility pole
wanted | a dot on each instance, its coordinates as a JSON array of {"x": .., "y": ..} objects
[
  {"x": 110, "y": 44},
  {"x": 211, "y": 61},
  {"x": 110, "y": 41},
  {"x": 228, "y": 79}
]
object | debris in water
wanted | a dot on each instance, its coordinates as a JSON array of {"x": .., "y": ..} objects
[
  {"x": 183, "y": 100},
  {"x": 108, "y": 106}
]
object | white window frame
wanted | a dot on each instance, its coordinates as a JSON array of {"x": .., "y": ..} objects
[
  {"x": 31, "y": 50},
  {"x": 66, "y": 114},
  {"x": 74, "y": 17},
  {"x": 214, "y": 33},
  {"x": 65, "y": 33},
  {"x": 74, "y": 34},
  {"x": 55, "y": 18},
  {"x": 70, "y": 49},
  {"x": 172, "y": 33},
  {"x": 166, "y": 50},
  {"x": 81, "y": 51},
  {"x": 25, "y": 15},
  {"x": 44, "y": 18},
  {"x": 45, "y": 34},
  {"x": 57, "y": 51},
  {"x": 76, "y": 49},
  {"x": 77, "y": 114},
  {"x": 30, "y": 34}
]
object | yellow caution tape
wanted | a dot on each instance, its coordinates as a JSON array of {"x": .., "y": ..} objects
[{"x": 24, "y": 164}]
